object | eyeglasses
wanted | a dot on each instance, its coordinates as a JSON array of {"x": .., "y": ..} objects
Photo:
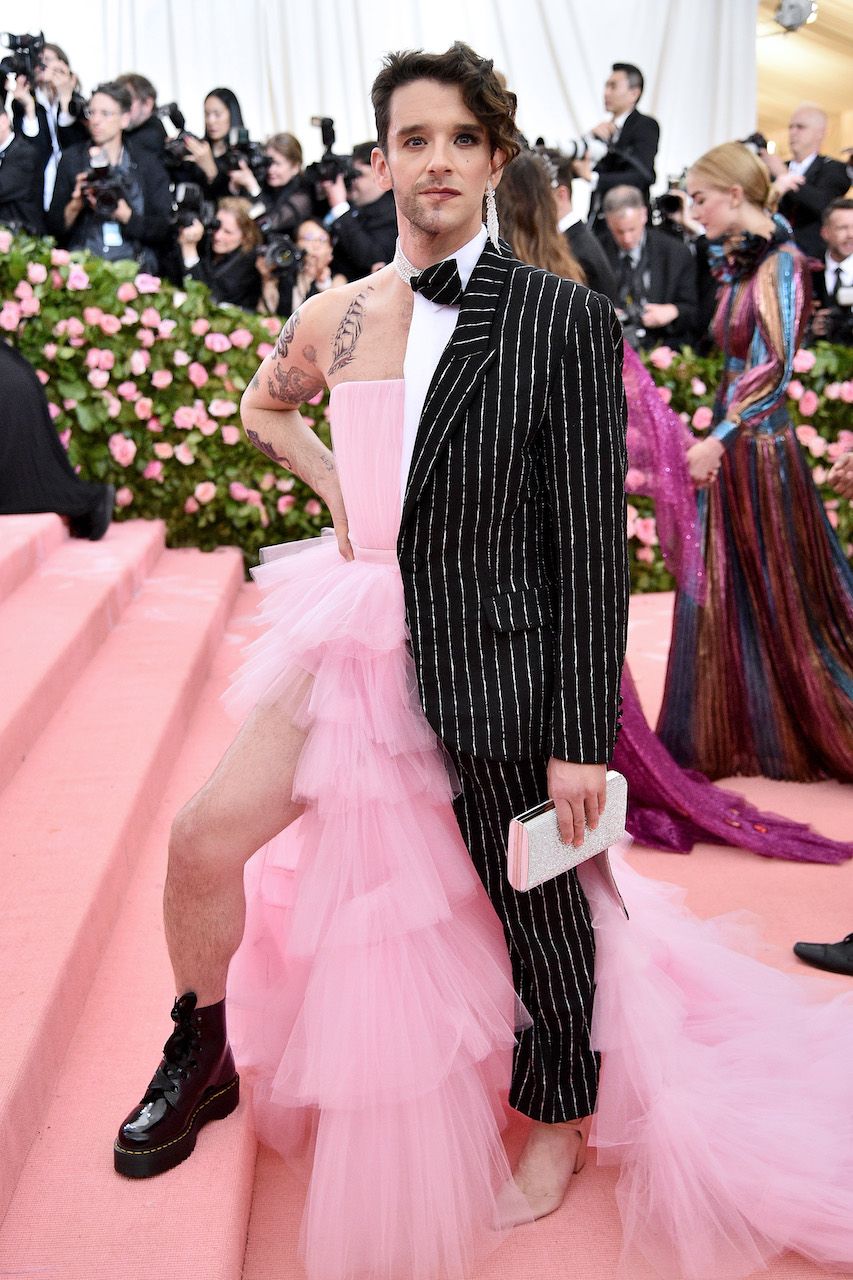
[{"x": 314, "y": 240}]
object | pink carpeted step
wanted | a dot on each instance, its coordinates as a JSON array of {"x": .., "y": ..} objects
[
  {"x": 52, "y": 626},
  {"x": 75, "y": 816},
  {"x": 25, "y": 542},
  {"x": 191, "y": 1221}
]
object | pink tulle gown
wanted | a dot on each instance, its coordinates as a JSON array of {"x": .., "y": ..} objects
[{"x": 371, "y": 1005}]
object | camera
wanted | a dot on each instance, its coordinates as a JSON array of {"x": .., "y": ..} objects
[
  {"x": 668, "y": 207},
  {"x": 241, "y": 148},
  {"x": 577, "y": 149},
  {"x": 330, "y": 166},
  {"x": 189, "y": 206},
  {"x": 26, "y": 51},
  {"x": 172, "y": 119},
  {"x": 756, "y": 142},
  {"x": 839, "y": 318},
  {"x": 282, "y": 255},
  {"x": 105, "y": 185},
  {"x": 631, "y": 317}
]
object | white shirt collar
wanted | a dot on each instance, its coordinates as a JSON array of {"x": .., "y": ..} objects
[
  {"x": 800, "y": 166},
  {"x": 846, "y": 267},
  {"x": 619, "y": 121},
  {"x": 568, "y": 220},
  {"x": 469, "y": 255}
]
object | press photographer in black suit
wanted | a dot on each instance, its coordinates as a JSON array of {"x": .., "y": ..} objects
[
  {"x": 832, "y": 284},
  {"x": 809, "y": 182},
  {"x": 361, "y": 218},
  {"x": 20, "y": 180},
  {"x": 584, "y": 245},
  {"x": 145, "y": 131},
  {"x": 622, "y": 149},
  {"x": 655, "y": 272},
  {"x": 49, "y": 113}
]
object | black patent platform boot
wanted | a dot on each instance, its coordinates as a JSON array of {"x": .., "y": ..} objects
[{"x": 196, "y": 1082}]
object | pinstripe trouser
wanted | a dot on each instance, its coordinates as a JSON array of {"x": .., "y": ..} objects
[{"x": 550, "y": 941}]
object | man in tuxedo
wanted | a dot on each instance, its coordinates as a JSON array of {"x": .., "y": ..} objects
[
  {"x": 584, "y": 245},
  {"x": 49, "y": 115},
  {"x": 20, "y": 180},
  {"x": 361, "y": 218},
  {"x": 622, "y": 149},
  {"x": 832, "y": 282},
  {"x": 809, "y": 182},
  {"x": 656, "y": 275},
  {"x": 513, "y": 559}
]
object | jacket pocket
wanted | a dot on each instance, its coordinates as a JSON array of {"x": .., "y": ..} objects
[{"x": 519, "y": 610}]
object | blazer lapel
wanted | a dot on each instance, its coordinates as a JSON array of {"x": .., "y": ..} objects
[{"x": 462, "y": 365}]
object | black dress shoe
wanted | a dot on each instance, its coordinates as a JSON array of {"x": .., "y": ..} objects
[
  {"x": 836, "y": 957},
  {"x": 195, "y": 1082}
]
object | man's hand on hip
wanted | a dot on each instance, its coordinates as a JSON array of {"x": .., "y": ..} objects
[{"x": 579, "y": 792}]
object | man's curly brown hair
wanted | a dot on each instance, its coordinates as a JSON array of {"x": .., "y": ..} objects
[{"x": 480, "y": 85}]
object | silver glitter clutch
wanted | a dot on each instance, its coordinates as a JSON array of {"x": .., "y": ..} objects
[{"x": 536, "y": 853}]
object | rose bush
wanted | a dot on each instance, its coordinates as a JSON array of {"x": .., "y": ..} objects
[{"x": 144, "y": 382}]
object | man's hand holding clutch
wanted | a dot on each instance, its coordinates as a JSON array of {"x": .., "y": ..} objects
[{"x": 578, "y": 792}]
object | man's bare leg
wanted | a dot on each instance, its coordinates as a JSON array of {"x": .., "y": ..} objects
[{"x": 552, "y": 1154}]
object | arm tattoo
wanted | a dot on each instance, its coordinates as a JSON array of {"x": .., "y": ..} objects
[
  {"x": 266, "y": 447},
  {"x": 349, "y": 332},
  {"x": 256, "y": 381},
  {"x": 285, "y": 338},
  {"x": 293, "y": 386}
]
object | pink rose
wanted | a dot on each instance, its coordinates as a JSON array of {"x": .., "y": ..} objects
[
  {"x": 166, "y": 328},
  {"x": 284, "y": 504},
  {"x": 106, "y": 360},
  {"x": 128, "y": 391},
  {"x": 662, "y": 357},
  {"x": 122, "y": 448},
  {"x": 665, "y": 394},
  {"x": 30, "y": 306},
  {"x": 635, "y": 479},
  {"x": 267, "y": 480},
  {"x": 230, "y": 435},
  {"x": 126, "y": 292},
  {"x": 144, "y": 407},
  {"x": 845, "y": 439},
  {"x": 180, "y": 358},
  {"x": 819, "y": 474},
  {"x": 184, "y": 417},
  {"x": 220, "y": 369},
  {"x": 44, "y": 378},
  {"x": 217, "y": 342},
  {"x": 113, "y": 406},
  {"x": 93, "y": 355},
  {"x": 99, "y": 378},
  {"x": 69, "y": 404},
  {"x": 832, "y": 514},
  {"x": 205, "y": 492},
  {"x": 154, "y": 425},
  {"x": 200, "y": 326},
  {"x": 285, "y": 485},
  {"x": 150, "y": 317},
  {"x": 238, "y": 491},
  {"x": 313, "y": 508},
  {"x": 241, "y": 338},
  {"x": 139, "y": 362},
  {"x": 207, "y": 426},
  {"x": 54, "y": 410},
  {"x": 805, "y": 433},
  {"x": 645, "y": 555},
  {"x": 23, "y": 289},
  {"x": 264, "y": 349},
  {"x": 804, "y": 361},
  {"x": 272, "y": 325},
  {"x": 129, "y": 317},
  {"x": 124, "y": 497},
  {"x": 59, "y": 258},
  {"x": 817, "y": 446},
  {"x": 161, "y": 378},
  {"x": 36, "y": 273},
  {"x": 847, "y": 392},
  {"x": 184, "y": 454},
  {"x": 163, "y": 449},
  {"x": 49, "y": 350},
  {"x": 5, "y": 241},
  {"x": 153, "y": 471},
  {"x": 809, "y": 403},
  {"x": 77, "y": 278},
  {"x": 75, "y": 327},
  {"x": 145, "y": 337},
  {"x": 222, "y": 408},
  {"x": 65, "y": 438},
  {"x": 646, "y": 530},
  {"x": 146, "y": 283},
  {"x": 697, "y": 386},
  {"x": 191, "y": 506},
  {"x": 197, "y": 374},
  {"x": 702, "y": 418},
  {"x": 832, "y": 391},
  {"x": 795, "y": 389},
  {"x": 110, "y": 325},
  {"x": 10, "y": 316},
  {"x": 92, "y": 315}
]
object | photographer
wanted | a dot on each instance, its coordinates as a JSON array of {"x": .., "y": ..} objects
[
  {"x": 810, "y": 181},
  {"x": 833, "y": 284},
  {"x": 305, "y": 269},
  {"x": 656, "y": 276},
  {"x": 20, "y": 181},
  {"x": 362, "y": 218},
  {"x": 145, "y": 131},
  {"x": 224, "y": 260},
  {"x": 109, "y": 199},
  {"x": 671, "y": 212},
  {"x": 210, "y": 161},
  {"x": 47, "y": 109},
  {"x": 284, "y": 193}
]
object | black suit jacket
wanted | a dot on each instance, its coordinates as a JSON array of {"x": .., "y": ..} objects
[
  {"x": 21, "y": 186},
  {"x": 365, "y": 235},
  {"x": 667, "y": 273},
  {"x": 66, "y": 135},
  {"x": 631, "y": 160},
  {"x": 512, "y": 540},
  {"x": 151, "y": 227},
  {"x": 825, "y": 180},
  {"x": 589, "y": 253}
]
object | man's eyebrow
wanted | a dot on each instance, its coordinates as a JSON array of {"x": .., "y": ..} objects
[{"x": 467, "y": 127}]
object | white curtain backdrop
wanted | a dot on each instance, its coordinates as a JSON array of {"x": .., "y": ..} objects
[{"x": 290, "y": 59}]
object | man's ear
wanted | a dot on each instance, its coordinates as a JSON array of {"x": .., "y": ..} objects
[
  {"x": 497, "y": 163},
  {"x": 381, "y": 172}
]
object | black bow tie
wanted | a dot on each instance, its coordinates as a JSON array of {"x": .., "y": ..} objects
[{"x": 440, "y": 283}]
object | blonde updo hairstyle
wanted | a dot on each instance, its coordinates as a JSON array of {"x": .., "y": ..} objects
[{"x": 732, "y": 164}]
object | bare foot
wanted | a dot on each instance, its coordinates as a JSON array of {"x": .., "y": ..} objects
[{"x": 552, "y": 1154}]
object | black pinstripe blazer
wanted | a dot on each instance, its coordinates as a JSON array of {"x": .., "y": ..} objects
[{"x": 512, "y": 539}]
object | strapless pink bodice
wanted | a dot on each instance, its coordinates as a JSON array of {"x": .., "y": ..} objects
[{"x": 367, "y": 437}]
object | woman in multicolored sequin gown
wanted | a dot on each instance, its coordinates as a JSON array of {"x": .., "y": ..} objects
[{"x": 760, "y": 676}]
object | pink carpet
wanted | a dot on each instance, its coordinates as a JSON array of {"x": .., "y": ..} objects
[{"x": 96, "y": 1015}]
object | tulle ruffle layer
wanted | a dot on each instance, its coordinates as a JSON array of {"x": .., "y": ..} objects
[{"x": 371, "y": 1001}]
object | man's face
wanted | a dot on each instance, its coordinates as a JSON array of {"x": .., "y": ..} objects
[
  {"x": 363, "y": 189},
  {"x": 618, "y": 94},
  {"x": 438, "y": 161},
  {"x": 140, "y": 111},
  {"x": 627, "y": 227},
  {"x": 838, "y": 234},
  {"x": 805, "y": 132},
  {"x": 45, "y": 66},
  {"x": 106, "y": 119}
]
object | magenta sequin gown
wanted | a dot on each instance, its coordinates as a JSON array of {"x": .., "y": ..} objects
[{"x": 370, "y": 1002}]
